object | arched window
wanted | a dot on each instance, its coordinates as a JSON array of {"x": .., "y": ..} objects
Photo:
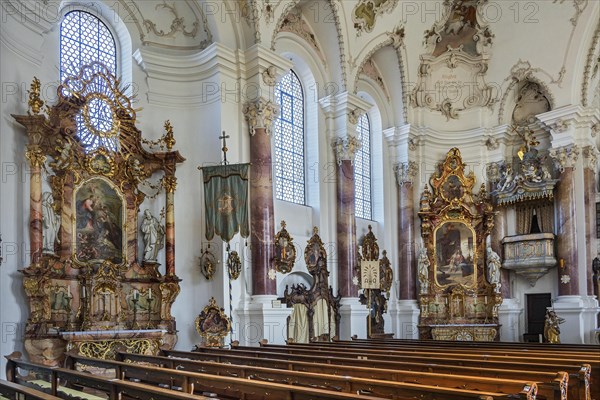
[
  {"x": 362, "y": 170},
  {"x": 85, "y": 39},
  {"x": 289, "y": 140}
]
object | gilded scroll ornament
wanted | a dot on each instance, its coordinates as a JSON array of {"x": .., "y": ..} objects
[
  {"x": 285, "y": 251},
  {"x": 208, "y": 264},
  {"x": 234, "y": 265},
  {"x": 35, "y": 102},
  {"x": 212, "y": 324}
]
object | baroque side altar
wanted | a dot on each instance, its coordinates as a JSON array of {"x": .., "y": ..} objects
[{"x": 91, "y": 172}]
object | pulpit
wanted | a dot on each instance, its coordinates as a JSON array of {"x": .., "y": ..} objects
[
  {"x": 459, "y": 279},
  {"x": 86, "y": 285}
]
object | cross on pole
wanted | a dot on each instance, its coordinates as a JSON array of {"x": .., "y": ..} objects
[{"x": 224, "y": 148}]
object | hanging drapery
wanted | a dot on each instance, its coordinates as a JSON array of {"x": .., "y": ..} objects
[
  {"x": 226, "y": 200},
  {"x": 544, "y": 213}
]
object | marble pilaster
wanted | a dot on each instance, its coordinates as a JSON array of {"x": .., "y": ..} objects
[
  {"x": 566, "y": 223},
  {"x": 345, "y": 150},
  {"x": 405, "y": 174},
  {"x": 589, "y": 183},
  {"x": 260, "y": 115},
  {"x": 36, "y": 159},
  {"x": 170, "y": 184}
]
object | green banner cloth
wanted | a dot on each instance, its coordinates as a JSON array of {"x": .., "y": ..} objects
[{"x": 226, "y": 200}]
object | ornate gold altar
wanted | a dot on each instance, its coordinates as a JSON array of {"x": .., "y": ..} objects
[
  {"x": 213, "y": 325},
  {"x": 459, "y": 296},
  {"x": 86, "y": 285}
]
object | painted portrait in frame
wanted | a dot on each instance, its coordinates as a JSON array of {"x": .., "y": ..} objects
[
  {"x": 455, "y": 255},
  {"x": 98, "y": 222}
]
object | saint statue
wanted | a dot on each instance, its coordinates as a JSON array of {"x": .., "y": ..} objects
[
  {"x": 493, "y": 269},
  {"x": 154, "y": 235},
  {"x": 551, "y": 328},
  {"x": 50, "y": 222},
  {"x": 423, "y": 268}
]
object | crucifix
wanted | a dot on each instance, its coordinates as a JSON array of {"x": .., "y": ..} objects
[{"x": 224, "y": 148}]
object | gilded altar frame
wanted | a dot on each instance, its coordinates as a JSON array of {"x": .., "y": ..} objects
[
  {"x": 95, "y": 170},
  {"x": 456, "y": 299}
]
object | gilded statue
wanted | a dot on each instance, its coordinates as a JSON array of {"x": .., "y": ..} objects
[{"x": 551, "y": 327}]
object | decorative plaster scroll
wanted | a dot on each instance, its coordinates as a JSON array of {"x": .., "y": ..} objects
[
  {"x": 168, "y": 21},
  {"x": 580, "y": 6},
  {"x": 260, "y": 114},
  {"x": 294, "y": 23},
  {"x": 345, "y": 148},
  {"x": 565, "y": 157},
  {"x": 523, "y": 71},
  {"x": 406, "y": 172},
  {"x": 370, "y": 70},
  {"x": 531, "y": 101},
  {"x": 452, "y": 71},
  {"x": 590, "y": 157},
  {"x": 365, "y": 13},
  {"x": 590, "y": 90}
]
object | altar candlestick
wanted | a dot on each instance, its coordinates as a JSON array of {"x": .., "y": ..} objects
[
  {"x": 150, "y": 293},
  {"x": 84, "y": 291},
  {"x": 136, "y": 295}
]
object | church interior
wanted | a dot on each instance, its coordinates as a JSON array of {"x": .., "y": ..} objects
[{"x": 256, "y": 173}]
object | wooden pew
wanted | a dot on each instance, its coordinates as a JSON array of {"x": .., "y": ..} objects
[
  {"x": 50, "y": 379},
  {"x": 224, "y": 387},
  {"x": 322, "y": 373},
  {"x": 578, "y": 375},
  {"x": 13, "y": 391},
  {"x": 179, "y": 374}
]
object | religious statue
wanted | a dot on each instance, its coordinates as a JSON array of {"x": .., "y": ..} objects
[
  {"x": 50, "y": 222},
  {"x": 551, "y": 328},
  {"x": 493, "y": 269},
  {"x": 154, "y": 235},
  {"x": 423, "y": 270}
]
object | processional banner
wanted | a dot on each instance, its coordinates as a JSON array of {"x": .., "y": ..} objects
[{"x": 226, "y": 200}]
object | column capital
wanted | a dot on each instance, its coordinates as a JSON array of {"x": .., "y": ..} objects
[
  {"x": 35, "y": 156},
  {"x": 406, "y": 172},
  {"x": 260, "y": 114},
  {"x": 345, "y": 148},
  {"x": 590, "y": 158},
  {"x": 565, "y": 156},
  {"x": 345, "y": 109},
  {"x": 169, "y": 183}
]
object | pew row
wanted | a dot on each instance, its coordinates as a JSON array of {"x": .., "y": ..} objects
[
  {"x": 13, "y": 391},
  {"x": 578, "y": 375},
  {"x": 68, "y": 384},
  {"x": 182, "y": 374}
]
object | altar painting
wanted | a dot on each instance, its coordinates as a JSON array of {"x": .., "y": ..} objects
[
  {"x": 454, "y": 253},
  {"x": 99, "y": 221}
]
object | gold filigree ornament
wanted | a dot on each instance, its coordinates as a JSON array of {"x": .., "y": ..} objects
[
  {"x": 285, "y": 251},
  {"x": 99, "y": 101},
  {"x": 100, "y": 163},
  {"x": 213, "y": 324},
  {"x": 234, "y": 265}
]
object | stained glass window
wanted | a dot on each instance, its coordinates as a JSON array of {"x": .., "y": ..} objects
[
  {"x": 85, "y": 39},
  {"x": 362, "y": 170},
  {"x": 289, "y": 140}
]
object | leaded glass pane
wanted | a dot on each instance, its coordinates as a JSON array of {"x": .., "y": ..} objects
[
  {"x": 362, "y": 170},
  {"x": 85, "y": 39},
  {"x": 289, "y": 140}
]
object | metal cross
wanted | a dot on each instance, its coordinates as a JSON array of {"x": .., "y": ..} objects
[{"x": 224, "y": 148}]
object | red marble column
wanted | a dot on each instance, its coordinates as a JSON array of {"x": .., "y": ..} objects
[
  {"x": 262, "y": 225},
  {"x": 346, "y": 229},
  {"x": 566, "y": 234},
  {"x": 498, "y": 233},
  {"x": 170, "y": 184},
  {"x": 589, "y": 184},
  {"x": 36, "y": 160},
  {"x": 407, "y": 269}
]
